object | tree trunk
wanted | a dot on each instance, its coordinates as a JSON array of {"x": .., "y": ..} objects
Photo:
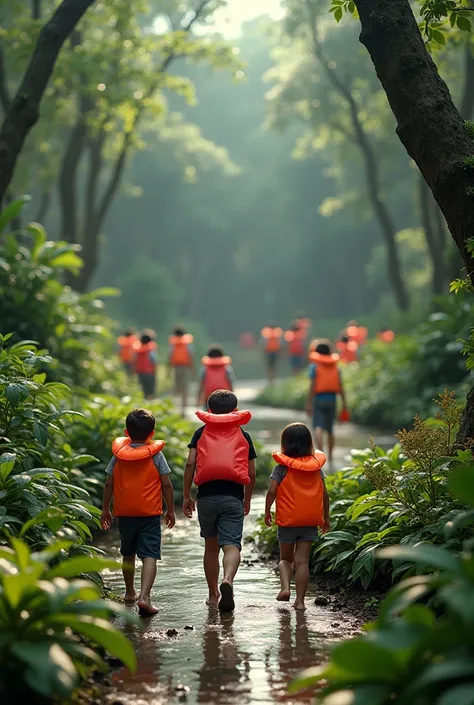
[
  {"x": 429, "y": 125},
  {"x": 67, "y": 181},
  {"x": 466, "y": 107},
  {"x": 43, "y": 208},
  {"x": 23, "y": 112},
  {"x": 432, "y": 238}
]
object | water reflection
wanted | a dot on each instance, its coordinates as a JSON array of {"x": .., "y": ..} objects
[{"x": 224, "y": 675}]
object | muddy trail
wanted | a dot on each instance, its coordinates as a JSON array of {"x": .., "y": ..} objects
[{"x": 191, "y": 653}]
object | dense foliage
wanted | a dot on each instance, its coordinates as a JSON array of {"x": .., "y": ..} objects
[
  {"x": 387, "y": 497},
  {"x": 420, "y": 649}
]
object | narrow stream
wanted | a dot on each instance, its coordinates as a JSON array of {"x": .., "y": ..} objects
[{"x": 191, "y": 653}]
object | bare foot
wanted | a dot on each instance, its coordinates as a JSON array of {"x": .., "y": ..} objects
[
  {"x": 130, "y": 597},
  {"x": 226, "y": 603},
  {"x": 146, "y": 609},
  {"x": 212, "y": 600},
  {"x": 284, "y": 595},
  {"x": 299, "y": 605}
]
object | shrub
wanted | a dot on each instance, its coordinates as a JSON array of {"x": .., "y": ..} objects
[{"x": 46, "y": 622}]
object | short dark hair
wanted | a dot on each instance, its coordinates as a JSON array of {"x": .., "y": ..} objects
[
  {"x": 323, "y": 349},
  {"x": 296, "y": 441},
  {"x": 345, "y": 339},
  {"x": 222, "y": 402},
  {"x": 128, "y": 332},
  {"x": 215, "y": 351},
  {"x": 140, "y": 424},
  {"x": 178, "y": 332}
]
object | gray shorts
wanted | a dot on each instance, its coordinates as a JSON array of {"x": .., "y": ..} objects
[
  {"x": 180, "y": 378},
  {"x": 222, "y": 516},
  {"x": 324, "y": 414},
  {"x": 292, "y": 534},
  {"x": 140, "y": 536},
  {"x": 148, "y": 383}
]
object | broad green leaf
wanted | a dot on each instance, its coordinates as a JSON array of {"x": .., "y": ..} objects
[
  {"x": 423, "y": 554},
  {"x": 459, "y": 695},
  {"x": 463, "y": 23},
  {"x": 366, "y": 660},
  {"x": 69, "y": 261},
  {"x": 461, "y": 483},
  {"x": 7, "y": 463},
  {"x": 51, "y": 671},
  {"x": 12, "y": 211},
  {"x": 82, "y": 564}
]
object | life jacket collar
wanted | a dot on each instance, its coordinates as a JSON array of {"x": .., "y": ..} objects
[
  {"x": 186, "y": 339},
  {"x": 269, "y": 333},
  {"x": 319, "y": 359},
  {"x": 237, "y": 418},
  {"x": 146, "y": 347},
  {"x": 122, "y": 449},
  {"x": 309, "y": 463},
  {"x": 216, "y": 361}
]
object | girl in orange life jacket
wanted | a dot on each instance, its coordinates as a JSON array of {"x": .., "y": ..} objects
[
  {"x": 127, "y": 343},
  {"x": 386, "y": 335},
  {"x": 138, "y": 480},
  {"x": 181, "y": 361},
  {"x": 347, "y": 349},
  {"x": 295, "y": 339},
  {"x": 222, "y": 464},
  {"x": 272, "y": 336},
  {"x": 216, "y": 373},
  {"x": 146, "y": 363},
  {"x": 325, "y": 384},
  {"x": 302, "y": 507}
]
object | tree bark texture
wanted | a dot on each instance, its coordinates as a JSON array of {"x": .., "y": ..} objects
[
  {"x": 466, "y": 107},
  {"x": 429, "y": 125},
  {"x": 435, "y": 248},
  {"x": 23, "y": 112}
]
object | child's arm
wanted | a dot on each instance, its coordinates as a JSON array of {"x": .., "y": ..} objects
[
  {"x": 309, "y": 401},
  {"x": 269, "y": 499},
  {"x": 342, "y": 392},
  {"x": 168, "y": 494},
  {"x": 327, "y": 523},
  {"x": 106, "y": 518},
  {"x": 250, "y": 487},
  {"x": 188, "y": 502}
]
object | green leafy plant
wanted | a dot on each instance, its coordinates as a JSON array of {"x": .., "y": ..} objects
[
  {"x": 49, "y": 624},
  {"x": 420, "y": 650}
]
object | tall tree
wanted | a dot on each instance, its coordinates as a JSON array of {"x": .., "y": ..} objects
[
  {"x": 23, "y": 111},
  {"x": 429, "y": 124}
]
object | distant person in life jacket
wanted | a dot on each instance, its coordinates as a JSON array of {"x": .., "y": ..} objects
[
  {"x": 347, "y": 349},
  {"x": 324, "y": 387},
  {"x": 222, "y": 464},
  {"x": 146, "y": 363},
  {"x": 295, "y": 338},
  {"x": 357, "y": 333},
  {"x": 386, "y": 335},
  {"x": 272, "y": 337},
  {"x": 302, "y": 507},
  {"x": 181, "y": 361},
  {"x": 127, "y": 344},
  {"x": 216, "y": 373},
  {"x": 138, "y": 478}
]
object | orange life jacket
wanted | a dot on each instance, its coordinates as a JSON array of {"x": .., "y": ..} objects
[
  {"x": 386, "y": 336},
  {"x": 272, "y": 337},
  {"x": 299, "y": 499},
  {"x": 327, "y": 373},
  {"x": 358, "y": 334},
  {"x": 295, "y": 341},
  {"x": 144, "y": 365},
  {"x": 180, "y": 354},
  {"x": 347, "y": 351},
  {"x": 223, "y": 452},
  {"x": 127, "y": 344},
  {"x": 137, "y": 482},
  {"x": 216, "y": 375}
]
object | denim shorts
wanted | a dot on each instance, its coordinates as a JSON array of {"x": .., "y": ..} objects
[
  {"x": 148, "y": 383},
  {"x": 221, "y": 516},
  {"x": 296, "y": 361},
  {"x": 292, "y": 534},
  {"x": 272, "y": 358},
  {"x": 140, "y": 536},
  {"x": 324, "y": 414}
]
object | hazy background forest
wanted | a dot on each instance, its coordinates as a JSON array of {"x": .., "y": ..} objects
[{"x": 246, "y": 199}]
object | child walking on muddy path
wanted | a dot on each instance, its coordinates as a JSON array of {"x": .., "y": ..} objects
[
  {"x": 222, "y": 464},
  {"x": 137, "y": 481},
  {"x": 302, "y": 507}
]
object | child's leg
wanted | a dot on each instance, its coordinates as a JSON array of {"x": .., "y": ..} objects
[
  {"x": 230, "y": 526},
  {"x": 302, "y": 554},
  {"x": 128, "y": 570},
  {"x": 148, "y": 579},
  {"x": 231, "y": 563},
  {"x": 331, "y": 444},
  {"x": 285, "y": 566},
  {"x": 211, "y": 569},
  {"x": 318, "y": 435}
]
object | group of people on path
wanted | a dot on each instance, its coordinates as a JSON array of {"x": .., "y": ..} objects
[{"x": 221, "y": 463}]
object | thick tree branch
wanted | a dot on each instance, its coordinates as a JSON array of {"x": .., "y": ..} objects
[
  {"x": 44, "y": 204},
  {"x": 467, "y": 102},
  {"x": 436, "y": 252},
  {"x": 5, "y": 99},
  {"x": 36, "y": 9},
  {"x": 24, "y": 109}
]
